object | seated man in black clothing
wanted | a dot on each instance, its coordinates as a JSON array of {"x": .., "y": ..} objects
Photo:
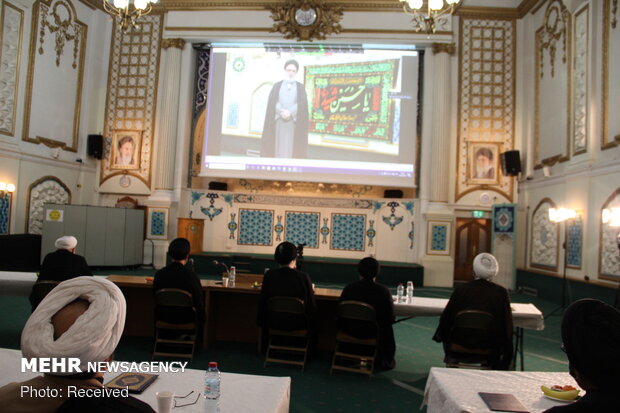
[
  {"x": 63, "y": 264},
  {"x": 178, "y": 275},
  {"x": 82, "y": 318},
  {"x": 482, "y": 294},
  {"x": 591, "y": 339},
  {"x": 286, "y": 281},
  {"x": 378, "y": 296}
]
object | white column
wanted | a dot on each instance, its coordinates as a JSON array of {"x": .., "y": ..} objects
[
  {"x": 441, "y": 119},
  {"x": 168, "y": 114}
]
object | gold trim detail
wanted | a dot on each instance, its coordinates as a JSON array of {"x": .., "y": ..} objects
[
  {"x": 557, "y": 19},
  {"x": 9, "y": 77},
  {"x": 175, "y": 43},
  {"x": 449, "y": 48},
  {"x": 325, "y": 19},
  {"x": 606, "y": 142},
  {"x": 580, "y": 96},
  {"x": 78, "y": 36}
]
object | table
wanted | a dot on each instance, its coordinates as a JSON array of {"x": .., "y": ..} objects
[
  {"x": 240, "y": 392},
  {"x": 445, "y": 392},
  {"x": 16, "y": 283}
]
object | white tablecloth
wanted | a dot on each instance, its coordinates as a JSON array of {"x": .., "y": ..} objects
[
  {"x": 524, "y": 315},
  {"x": 16, "y": 283},
  {"x": 456, "y": 390},
  {"x": 240, "y": 392}
]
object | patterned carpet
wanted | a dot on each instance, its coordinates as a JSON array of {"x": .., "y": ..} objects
[{"x": 315, "y": 390}]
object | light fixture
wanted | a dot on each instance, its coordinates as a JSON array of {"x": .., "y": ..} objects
[
  {"x": 6, "y": 189},
  {"x": 436, "y": 12},
  {"x": 561, "y": 214},
  {"x": 127, "y": 15},
  {"x": 611, "y": 216}
]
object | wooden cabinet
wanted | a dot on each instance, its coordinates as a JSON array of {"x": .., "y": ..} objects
[{"x": 192, "y": 229}]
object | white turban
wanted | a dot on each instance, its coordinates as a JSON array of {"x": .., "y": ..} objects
[
  {"x": 485, "y": 266},
  {"x": 67, "y": 242},
  {"x": 92, "y": 337}
]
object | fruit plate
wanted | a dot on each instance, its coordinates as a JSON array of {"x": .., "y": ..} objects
[{"x": 561, "y": 400}]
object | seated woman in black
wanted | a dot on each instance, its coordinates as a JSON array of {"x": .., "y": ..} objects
[{"x": 286, "y": 281}]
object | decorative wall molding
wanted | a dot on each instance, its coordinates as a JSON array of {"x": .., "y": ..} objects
[
  {"x": 609, "y": 98},
  {"x": 555, "y": 29},
  {"x": 132, "y": 92},
  {"x": 580, "y": 80},
  {"x": 176, "y": 43},
  {"x": 12, "y": 23},
  {"x": 47, "y": 189},
  {"x": 574, "y": 242},
  {"x": 5, "y": 213},
  {"x": 56, "y": 33},
  {"x": 609, "y": 256},
  {"x": 299, "y": 201},
  {"x": 449, "y": 48},
  {"x": 486, "y": 105},
  {"x": 544, "y": 237},
  {"x": 306, "y": 19}
]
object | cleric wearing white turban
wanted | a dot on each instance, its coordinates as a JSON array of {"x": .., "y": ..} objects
[
  {"x": 64, "y": 263},
  {"x": 81, "y": 318},
  {"x": 484, "y": 295}
]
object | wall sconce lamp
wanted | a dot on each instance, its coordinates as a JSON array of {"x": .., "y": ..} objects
[
  {"x": 561, "y": 214},
  {"x": 611, "y": 216},
  {"x": 6, "y": 189}
]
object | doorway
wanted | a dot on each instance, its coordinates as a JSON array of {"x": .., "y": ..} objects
[{"x": 473, "y": 236}]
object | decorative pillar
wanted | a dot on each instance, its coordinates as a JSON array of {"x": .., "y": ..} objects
[
  {"x": 441, "y": 119},
  {"x": 168, "y": 114}
]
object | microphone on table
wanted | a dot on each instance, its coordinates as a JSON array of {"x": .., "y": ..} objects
[{"x": 216, "y": 262}]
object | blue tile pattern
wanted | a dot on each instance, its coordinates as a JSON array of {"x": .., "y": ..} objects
[
  {"x": 439, "y": 237},
  {"x": 371, "y": 233},
  {"x": 158, "y": 223},
  {"x": 504, "y": 219},
  {"x": 348, "y": 232},
  {"x": 574, "y": 242},
  {"x": 5, "y": 210},
  {"x": 303, "y": 228},
  {"x": 279, "y": 228},
  {"x": 232, "y": 226},
  {"x": 325, "y": 231},
  {"x": 412, "y": 236},
  {"x": 255, "y": 227}
]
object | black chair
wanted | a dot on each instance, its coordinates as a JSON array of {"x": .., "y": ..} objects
[
  {"x": 472, "y": 342},
  {"x": 175, "y": 338},
  {"x": 287, "y": 345},
  {"x": 39, "y": 290},
  {"x": 352, "y": 353}
]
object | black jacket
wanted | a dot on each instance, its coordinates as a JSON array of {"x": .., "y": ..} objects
[
  {"x": 62, "y": 265},
  {"x": 176, "y": 275}
]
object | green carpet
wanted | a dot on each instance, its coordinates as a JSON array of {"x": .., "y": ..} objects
[{"x": 315, "y": 390}]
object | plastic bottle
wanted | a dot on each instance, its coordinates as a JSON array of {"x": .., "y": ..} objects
[
  {"x": 232, "y": 275},
  {"x": 400, "y": 292},
  {"x": 409, "y": 292},
  {"x": 212, "y": 388}
]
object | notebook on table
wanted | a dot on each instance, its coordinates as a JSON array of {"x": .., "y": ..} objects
[{"x": 502, "y": 402}]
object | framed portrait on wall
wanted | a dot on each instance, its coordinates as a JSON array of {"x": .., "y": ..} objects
[
  {"x": 125, "y": 149},
  {"x": 483, "y": 162}
]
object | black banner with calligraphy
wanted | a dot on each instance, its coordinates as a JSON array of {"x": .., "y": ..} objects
[{"x": 352, "y": 100}]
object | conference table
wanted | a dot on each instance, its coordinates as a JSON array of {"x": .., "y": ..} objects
[
  {"x": 16, "y": 283},
  {"x": 445, "y": 392},
  {"x": 240, "y": 392},
  {"x": 231, "y": 311}
]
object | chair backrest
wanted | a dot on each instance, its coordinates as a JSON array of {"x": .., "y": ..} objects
[
  {"x": 473, "y": 329},
  {"x": 291, "y": 305},
  {"x": 357, "y": 310},
  {"x": 39, "y": 290},
  {"x": 173, "y": 297}
]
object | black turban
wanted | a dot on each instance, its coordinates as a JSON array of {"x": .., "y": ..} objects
[{"x": 591, "y": 337}]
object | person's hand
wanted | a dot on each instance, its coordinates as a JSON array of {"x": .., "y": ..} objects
[{"x": 285, "y": 114}]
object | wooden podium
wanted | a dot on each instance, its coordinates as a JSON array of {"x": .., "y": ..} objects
[{"x": 192, "y": 229}]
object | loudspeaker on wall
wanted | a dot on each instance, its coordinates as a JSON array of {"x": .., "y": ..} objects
[
  {"x": 218, "y": 186},
  {"x": 94, "y": 146},
  {"x": 511, "y": 163}
]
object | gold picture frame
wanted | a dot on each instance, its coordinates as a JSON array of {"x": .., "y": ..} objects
[
  {"x": 121, "y": 143},
  {"x": 486, "y": 169}
]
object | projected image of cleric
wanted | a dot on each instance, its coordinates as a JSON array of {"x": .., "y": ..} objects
[{"x": 285, "y": 132}]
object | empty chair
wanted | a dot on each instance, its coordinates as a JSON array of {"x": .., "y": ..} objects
[
  {"x": 356, "y": 354},
  {"x": 39, "y": 290},
  {"x": 472, "y": 343},
  {"x": 287, "y": 342},
  {"x": 175, "y": 338}
]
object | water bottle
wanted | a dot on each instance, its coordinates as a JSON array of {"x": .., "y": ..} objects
[
  {"x": 409, "y": 292},
  {"x": 212, "y": 388},
  {"x": 232, "y": 273},
  {"x": 400, "y": 292}
]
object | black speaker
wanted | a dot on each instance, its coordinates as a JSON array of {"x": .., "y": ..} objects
[
  {"x": 511, "y": 163},
  {"x": 218, "y": 186},
  {"x": 94, "y": 146},
  {"x": 392, "y": 193}
]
